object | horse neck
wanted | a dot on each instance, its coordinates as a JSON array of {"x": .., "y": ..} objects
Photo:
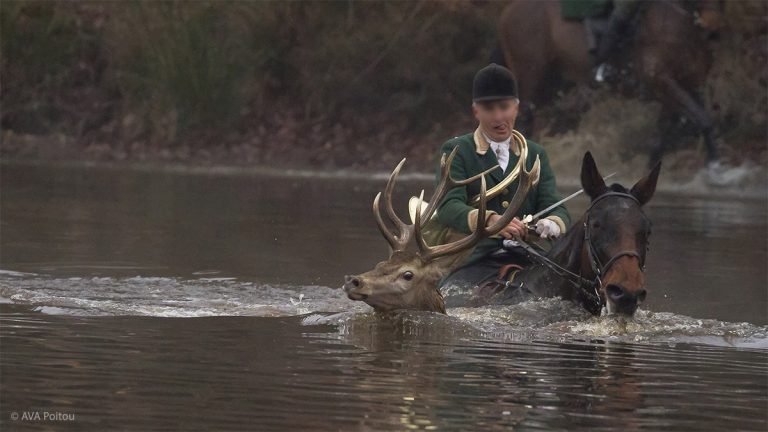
[{"x": 567, "y": 252}]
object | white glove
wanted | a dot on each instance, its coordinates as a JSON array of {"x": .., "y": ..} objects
[
  {"x": 546, "y": 228},
  {"x": 509, "y": 244}
]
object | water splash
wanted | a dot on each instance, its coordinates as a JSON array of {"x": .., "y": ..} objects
[
  {"x": 545, "y": 319},
  {"x": 168, "y": 297}
]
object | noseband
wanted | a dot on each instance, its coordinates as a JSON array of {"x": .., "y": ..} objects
[{"x": 598, "y": 268}]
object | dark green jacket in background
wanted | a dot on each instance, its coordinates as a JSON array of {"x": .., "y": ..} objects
[
  {"x": 577, "y": 10},
  {"x": 472, "y": 159}
]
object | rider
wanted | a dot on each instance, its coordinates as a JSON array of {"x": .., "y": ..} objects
[
  {"x": 495, "y": 106},
  {"x": 606, "y": 22}
]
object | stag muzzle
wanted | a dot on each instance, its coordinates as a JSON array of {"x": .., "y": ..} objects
[{"x": 355, "y": 289}]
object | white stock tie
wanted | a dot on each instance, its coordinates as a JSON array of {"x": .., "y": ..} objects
[{"x": 501, "y": 149}]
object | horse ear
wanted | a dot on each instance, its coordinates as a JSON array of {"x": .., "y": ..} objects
[
  {"x": 591, "y": 180},
  {"x": 645, "y": 187}
]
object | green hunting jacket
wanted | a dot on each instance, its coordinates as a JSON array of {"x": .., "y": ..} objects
[{"x": 474, "y": 156}]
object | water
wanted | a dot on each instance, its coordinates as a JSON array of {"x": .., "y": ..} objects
[{"x": 137, "y": 301}]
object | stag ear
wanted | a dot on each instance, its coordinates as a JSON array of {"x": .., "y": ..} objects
[
  {"x": 645, "y": 187},
  {"x": 591, "y": 180}
]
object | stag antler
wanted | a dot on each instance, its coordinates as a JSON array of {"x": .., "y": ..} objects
[
  {"x": 405, "y": 233},
  {"x": 429, "y": 253}
]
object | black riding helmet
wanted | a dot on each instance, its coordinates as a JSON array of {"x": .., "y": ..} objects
[{"x": 493, "y": 82}]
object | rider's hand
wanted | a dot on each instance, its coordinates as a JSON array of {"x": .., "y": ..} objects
[
  {"x": 515, "y": 229},
  {"x": 546, "y": 228}
]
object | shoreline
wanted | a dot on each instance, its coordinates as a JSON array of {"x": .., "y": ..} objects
[{"x": 690, "y": 189}]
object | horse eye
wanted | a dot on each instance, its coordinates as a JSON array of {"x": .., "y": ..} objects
[{"x": 408, "y": 275}]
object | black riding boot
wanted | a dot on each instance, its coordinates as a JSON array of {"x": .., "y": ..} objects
[{"x": 609, "y": 34}]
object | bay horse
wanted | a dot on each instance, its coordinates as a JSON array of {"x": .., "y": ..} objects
[
  {"x": 600, "y": 262},
  {"x": 604, "y": 252},
  {"x": 667, "y": 51}
]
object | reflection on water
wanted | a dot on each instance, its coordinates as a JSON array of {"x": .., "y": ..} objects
[
  {"x": 414, "y": 372},
  {"x": 102, "y": 270},
  {"x": 707, "y": 256}
]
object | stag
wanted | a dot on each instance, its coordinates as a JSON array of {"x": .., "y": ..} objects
[{"x": 409, "y": 278}]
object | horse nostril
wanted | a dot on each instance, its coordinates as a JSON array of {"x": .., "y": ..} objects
[
  {"x": 641, "y": 295},
  {"x": 614, "y": 292},
  {"x": 355, "y": 282}
]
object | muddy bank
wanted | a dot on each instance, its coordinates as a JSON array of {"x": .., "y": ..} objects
[
  {"x": 281, "y": 151},
  {"x": 618, "y": 131},
  {"x": 320, "y": 86},
  {"x": 284, "y": 142}
]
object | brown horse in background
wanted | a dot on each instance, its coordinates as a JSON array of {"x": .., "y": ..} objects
[{"x": 667, "y": 52}]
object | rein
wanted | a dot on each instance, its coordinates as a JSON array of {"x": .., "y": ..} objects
[{"x": 587, "y": 287}]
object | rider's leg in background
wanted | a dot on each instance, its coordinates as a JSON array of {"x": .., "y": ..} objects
[{"x": 609, "y": 33}]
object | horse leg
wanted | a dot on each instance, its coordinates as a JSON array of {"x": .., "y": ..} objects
[
  {"x": 697, "y": 113},
  {"x": 525, "y": 118},
  {"x": 529, "y": 79},
  {"x": 529, "y": 58},
  {"x": 497, "y": 55}
]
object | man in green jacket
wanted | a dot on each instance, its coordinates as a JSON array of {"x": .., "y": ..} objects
[{"x": 495, "y": 106}]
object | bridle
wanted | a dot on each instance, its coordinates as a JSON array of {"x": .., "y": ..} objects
[
  {"x": 598, "y": 268},
  {"x": 594, "y": 261},
  {"x": 590, "y": 288}
]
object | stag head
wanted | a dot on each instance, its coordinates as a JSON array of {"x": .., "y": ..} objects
[{"x": 409, "y": 278}]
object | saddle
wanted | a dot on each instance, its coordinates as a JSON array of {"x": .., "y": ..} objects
[{"x": 487, "y": 289}]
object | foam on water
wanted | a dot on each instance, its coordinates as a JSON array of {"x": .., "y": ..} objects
[
  {"x": 168, "y": 297},
  {"x": 545, "y": 319},
  {"x": 556, "y": 318}
]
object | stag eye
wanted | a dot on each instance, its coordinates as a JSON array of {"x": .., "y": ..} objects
[{"x": 408, "y": 275}]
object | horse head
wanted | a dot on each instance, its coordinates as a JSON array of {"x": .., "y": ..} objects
[{"x": 616, "y": 237}]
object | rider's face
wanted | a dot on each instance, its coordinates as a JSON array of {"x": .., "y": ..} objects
[{"x": 496, "y": 117}]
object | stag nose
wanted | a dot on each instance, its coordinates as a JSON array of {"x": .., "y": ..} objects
[
  {"x": 352, "y": 286},
  {"x": 351, "y": 281},
  {"x": 624, "y": 301}
]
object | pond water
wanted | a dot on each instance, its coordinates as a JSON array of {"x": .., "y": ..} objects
[{"x": 139, "y": 300}]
